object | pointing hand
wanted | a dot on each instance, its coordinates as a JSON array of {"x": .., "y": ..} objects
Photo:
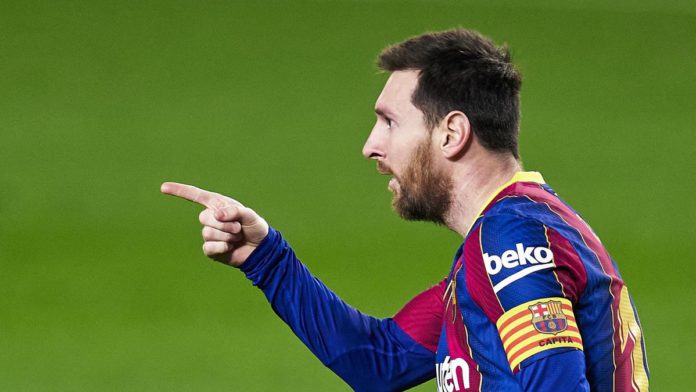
[{"x": 231, "y": 231}]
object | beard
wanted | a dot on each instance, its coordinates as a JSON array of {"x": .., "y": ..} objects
[{"x": 425, "y": 192}]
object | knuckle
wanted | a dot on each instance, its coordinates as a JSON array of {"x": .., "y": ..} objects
[
  {"x": 236, "y": 227},
  {"x": 250, "y": 212},
  {"x": 232, "y": 227},
  {"x": 228, "y": 212}
]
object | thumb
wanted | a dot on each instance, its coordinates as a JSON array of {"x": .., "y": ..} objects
[
  {"x": 254, "y": 227},
  {"x": 241, "y": 214}
]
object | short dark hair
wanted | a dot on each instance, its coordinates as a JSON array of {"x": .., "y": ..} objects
[{"x": 463, "y": 70}]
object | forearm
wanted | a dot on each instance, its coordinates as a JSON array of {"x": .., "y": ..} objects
[{"x": 368, "y": 353}]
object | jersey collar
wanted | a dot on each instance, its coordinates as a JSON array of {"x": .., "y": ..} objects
[{"x": 521, "y": 176}]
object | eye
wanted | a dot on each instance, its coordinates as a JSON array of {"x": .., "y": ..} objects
[{"x": 389, "y": 122}]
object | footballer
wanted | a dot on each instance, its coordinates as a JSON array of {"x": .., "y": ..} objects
[{"x": 531, "y": 302}]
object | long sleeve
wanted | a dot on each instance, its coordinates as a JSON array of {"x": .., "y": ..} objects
[{"x": 370, "y": 354}]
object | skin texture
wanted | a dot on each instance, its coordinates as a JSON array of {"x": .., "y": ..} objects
[
  {"x": 402, "y": 146},
  {"x": 454, "y": 180},
  {"x": 442, "y": 175},
  {"x": 424, "y": 192},
  {"x": 231, "y": 231}
]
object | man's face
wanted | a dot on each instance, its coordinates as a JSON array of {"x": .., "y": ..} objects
[{"x": 401, "y": 144}]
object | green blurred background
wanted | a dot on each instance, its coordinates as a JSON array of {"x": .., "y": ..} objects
[{"x": 102, "y": 282}]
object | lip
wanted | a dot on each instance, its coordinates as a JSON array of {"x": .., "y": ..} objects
[
  {"x": 392, "y": 184},
  {"x": 383, "y": 169}
]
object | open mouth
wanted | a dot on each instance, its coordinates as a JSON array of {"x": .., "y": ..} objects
[{"x": 383, "y": 169}]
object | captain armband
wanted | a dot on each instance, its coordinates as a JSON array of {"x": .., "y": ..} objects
[{"x": 537, "y": 326}]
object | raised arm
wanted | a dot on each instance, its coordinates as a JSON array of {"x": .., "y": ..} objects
[{"x": 370, "y": 354}]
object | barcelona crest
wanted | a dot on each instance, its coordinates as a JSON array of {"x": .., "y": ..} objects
[{"x": 548, "y": 317}]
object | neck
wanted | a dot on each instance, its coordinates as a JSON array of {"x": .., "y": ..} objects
[{"x": 474, "y": 182}]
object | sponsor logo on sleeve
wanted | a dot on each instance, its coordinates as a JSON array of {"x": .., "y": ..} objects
[
  {"x": 521, "y": 255},
  {"x": 531, "y": 258}
]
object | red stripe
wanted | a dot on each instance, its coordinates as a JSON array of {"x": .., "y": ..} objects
[
  {"x": 569, "y": 268},
  {"x": 532, "y": 333},
  {"x": 421, "y": 318},
  {"x": 522, "y": 313},
  {"x": 525, "y": 325},
  {"x": 457, "y": 337},
  {"x": 622, "y": 361},
  {"x": 477, "y": 281},
  {"x": 520, "y": 339},
  {"x": 624, "y": 371},
  {"x": 536, "y": 344},
  {"x": 514, "y": 331},
  {"x": 537, "y": 193}
]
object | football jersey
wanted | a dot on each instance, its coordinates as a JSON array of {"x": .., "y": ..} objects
[{"x": 532, "y": 302}]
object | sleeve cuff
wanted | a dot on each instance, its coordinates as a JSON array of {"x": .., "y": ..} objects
[{"x": 262, "y": 258}]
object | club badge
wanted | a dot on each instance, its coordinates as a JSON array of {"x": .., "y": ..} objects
[{"x": 548, "y": 317}]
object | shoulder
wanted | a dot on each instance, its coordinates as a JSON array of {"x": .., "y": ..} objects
[
  {"x": 526, "y": 280},
  {"x": 511, "y": 258},
  {"x": 505, "y": 235}
]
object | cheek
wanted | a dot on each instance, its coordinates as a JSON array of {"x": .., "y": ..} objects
[
  {"x": 401, "y": 149},
  {"x": 399, "y": 163}
]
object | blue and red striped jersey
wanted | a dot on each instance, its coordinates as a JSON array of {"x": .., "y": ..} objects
[{"x": 532, "y": 302}]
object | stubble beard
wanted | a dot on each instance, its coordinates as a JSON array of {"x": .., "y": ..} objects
[{"x": 425, "y": 193}]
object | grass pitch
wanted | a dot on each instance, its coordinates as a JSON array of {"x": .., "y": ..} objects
[{"x": 102, "y": 282}]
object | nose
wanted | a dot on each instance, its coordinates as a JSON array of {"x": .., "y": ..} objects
[{"x": 373, "y": 148}]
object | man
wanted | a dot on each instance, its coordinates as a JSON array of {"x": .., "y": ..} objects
[{"x": 532, "y": 301}]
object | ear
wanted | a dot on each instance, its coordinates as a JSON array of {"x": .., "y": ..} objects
[{"x": 455, "y": 135}]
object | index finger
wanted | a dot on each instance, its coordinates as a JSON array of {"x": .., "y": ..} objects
[{"x": 190, "y": 192}]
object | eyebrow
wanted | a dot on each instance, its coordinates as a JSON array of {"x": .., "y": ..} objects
[{"x": 383, "y": 112}]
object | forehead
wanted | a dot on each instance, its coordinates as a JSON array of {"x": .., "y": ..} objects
[{"x": 397, "y": 92}]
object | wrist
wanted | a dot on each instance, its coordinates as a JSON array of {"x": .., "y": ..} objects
[{"x": 260, "y": 253}]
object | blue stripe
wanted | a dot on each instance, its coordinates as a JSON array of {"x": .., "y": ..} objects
[
  {"x": 486, "y": 347},
  {"x": 500, "y": 235},
  {"x": 593, "y": 311}
]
